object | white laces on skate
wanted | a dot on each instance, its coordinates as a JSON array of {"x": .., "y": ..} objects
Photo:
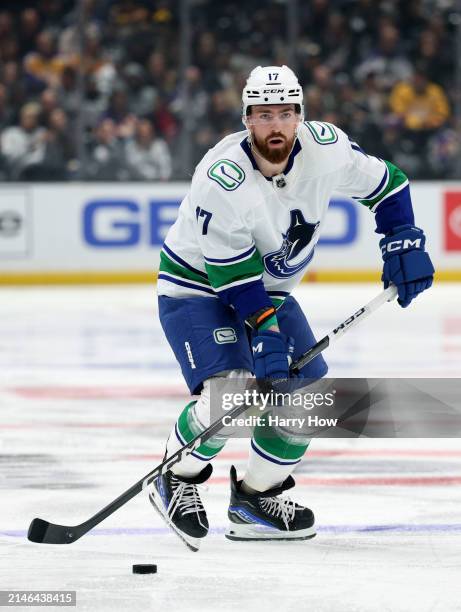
[
  {"x": 185, "y": 498},
  {"x": 283, "y": 507}
]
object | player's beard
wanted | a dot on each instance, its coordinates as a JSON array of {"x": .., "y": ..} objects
[{"x": 274, "y": 156}]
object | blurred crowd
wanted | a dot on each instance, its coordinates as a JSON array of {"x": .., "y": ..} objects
[{"x": 98, "y": 93}]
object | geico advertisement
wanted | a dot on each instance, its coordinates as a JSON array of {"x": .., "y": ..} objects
[
  {"x": 128, "y": 223},
  {"x": 122, "y": 227}
]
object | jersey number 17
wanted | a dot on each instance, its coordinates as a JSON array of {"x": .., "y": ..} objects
[{"x": 200, "y": 212}]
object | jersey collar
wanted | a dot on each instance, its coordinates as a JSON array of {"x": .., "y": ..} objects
[{"x": 291, "y": 158}]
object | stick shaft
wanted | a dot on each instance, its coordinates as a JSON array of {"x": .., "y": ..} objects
[{"x": 385, "y": 296}]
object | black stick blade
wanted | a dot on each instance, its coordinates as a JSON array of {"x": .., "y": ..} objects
[{"x": 43, "y": 532}]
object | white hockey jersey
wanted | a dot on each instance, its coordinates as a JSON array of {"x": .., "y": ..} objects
[{"x": 236, "y": 226}]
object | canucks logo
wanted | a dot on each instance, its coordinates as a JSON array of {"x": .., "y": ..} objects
[
  {"x": 290, "y": 258},
  {"x": 226, "y": 173}
]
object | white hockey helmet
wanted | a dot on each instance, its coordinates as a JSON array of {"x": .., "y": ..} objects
[{"x": 272, "y": 85}]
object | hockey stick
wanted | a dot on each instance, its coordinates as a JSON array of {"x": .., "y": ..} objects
[{"x": 43, "y": 532}]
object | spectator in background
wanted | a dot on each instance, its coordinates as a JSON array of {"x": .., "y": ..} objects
[
  {"x": 59, "y": 155},
  {"x": 106, "y": 157},
  {"x": 373, "y": 99},
  {"x": 444, "y": 154},
  {"x": 422, "y": 106},
  {"x": 6, "y": 25},
  {"x": 9, "y": 50},
  {"x": 141, "y": 97},
  {"x": 165, "y": 121},
  {"x": 44, "y": 64},
  {"x": 324, "y": 87},
  {"x": 29, "y": 26},
  {"x": 6, "y": 112},
  {"x": 96, "y": 63},
  {"x": 48, "y": 103},
  {"x": 387, "y": 62},
  {"x": 157, "y": 74},
  {"x": 222, "y": 116},
  {"x": 67, "y": 92},
  {"x": 350, "y": 56},
  {"x": 147, "y": 156},
  {"x": 94, "y": 103},
  {"x": 198, "y": 98},
  {"x": 23, "y": 145},
  {"x": 120, "y": 113},
  {"x": 12, "y": 78}
]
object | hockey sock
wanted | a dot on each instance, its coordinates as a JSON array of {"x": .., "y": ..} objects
[
  {"x": 273, "y": 456},
  {"x": 187, "y": 427}
]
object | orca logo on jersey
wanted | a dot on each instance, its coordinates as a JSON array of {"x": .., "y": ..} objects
[
  {"x": 226, "y": 173},
  {"x": 285, "y": 262}
]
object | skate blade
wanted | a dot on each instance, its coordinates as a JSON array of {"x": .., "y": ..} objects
[
  {"x": 256, "y": 533},
  {"x": 191, "y": 543}
]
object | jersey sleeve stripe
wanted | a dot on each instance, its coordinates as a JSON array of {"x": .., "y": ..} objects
[
  {"x": 359, "y": 149},
  {"x": 397, "y": 180},
  {"x": 242, "y": 281},
  {"x": 245, "y": 255},
  {"x": 389, "y": 194},
  {"x": 175, "y": 269},
  {"x": 182, "y": 283},
  {"x": 181, "y": 261},
  {"x": 226, "y": 275},
  {"x": 379, "y": 188}
]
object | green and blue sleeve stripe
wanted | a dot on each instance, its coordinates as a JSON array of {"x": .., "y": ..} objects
[
  {"x": 238, "y": 281},
  {"x": 391, "y": 200},
  {"x": 177, "y": 271}
]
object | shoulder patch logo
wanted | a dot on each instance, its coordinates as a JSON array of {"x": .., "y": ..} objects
[
  {"x": 226, "y": 173},
  {"x": 323, "y": 133}
]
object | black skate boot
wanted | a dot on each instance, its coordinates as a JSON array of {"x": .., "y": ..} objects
[
  {"x": 265, "y": 516},
  {"x": 177, "y": 500}
]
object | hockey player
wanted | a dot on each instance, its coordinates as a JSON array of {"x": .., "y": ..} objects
[{"x": 243, "y": 238}]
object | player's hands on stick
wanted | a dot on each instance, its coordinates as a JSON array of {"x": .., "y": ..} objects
[
  {"x": 406, "y": 263},
  {"x": 272, "y": 353}
]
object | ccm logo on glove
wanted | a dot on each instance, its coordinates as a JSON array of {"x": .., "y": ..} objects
[
  {"x": 406, "y": 263},
  {"x": 398, "y": 245}
]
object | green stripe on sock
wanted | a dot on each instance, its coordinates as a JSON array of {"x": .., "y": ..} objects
[
  {"x": 189, "y": 429},
  {"x": 279, "y": 444}
]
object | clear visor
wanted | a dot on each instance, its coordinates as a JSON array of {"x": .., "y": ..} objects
[{"x": 263, "y": 117}]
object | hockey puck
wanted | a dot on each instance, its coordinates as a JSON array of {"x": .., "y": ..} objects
[{"x": 144, "y": 568}]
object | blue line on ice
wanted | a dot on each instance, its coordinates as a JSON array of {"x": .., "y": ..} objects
[{"x": 397, "y": 527}]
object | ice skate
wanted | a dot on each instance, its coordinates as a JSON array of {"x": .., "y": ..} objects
[
  {"x": 177, "y": 500},
  {"x": 267, "y": 516}
]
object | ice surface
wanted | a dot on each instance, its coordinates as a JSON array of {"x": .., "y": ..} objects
[{"x": 88, "y": 392}]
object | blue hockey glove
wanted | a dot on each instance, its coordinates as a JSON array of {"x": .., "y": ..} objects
[
  {"x": 272, "y": 355},
  {"x": 406, "y": 263}
]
